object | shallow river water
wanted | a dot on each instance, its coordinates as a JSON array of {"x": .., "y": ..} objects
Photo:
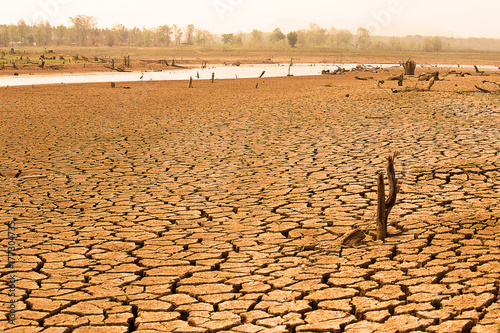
[{"x": 220, "y": 72}]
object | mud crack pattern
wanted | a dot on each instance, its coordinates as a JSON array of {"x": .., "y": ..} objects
[{"x": 222, "y": 208}]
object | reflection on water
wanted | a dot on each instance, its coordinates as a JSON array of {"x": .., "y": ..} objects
[{"x": 221, "y": 72}]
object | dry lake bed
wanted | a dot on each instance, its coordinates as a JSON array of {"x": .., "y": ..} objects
[{"x": 151, "y": 207}]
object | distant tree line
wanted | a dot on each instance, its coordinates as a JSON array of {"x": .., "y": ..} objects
[{"x": 84, "y": 31}]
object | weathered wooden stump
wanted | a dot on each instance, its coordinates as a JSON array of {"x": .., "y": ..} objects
[
  {"x": 409, "y": 66},
  {"x": 190, "y": 82}
]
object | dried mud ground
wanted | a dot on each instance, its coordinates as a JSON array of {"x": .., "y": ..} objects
[{"x": 223, "y": 208}]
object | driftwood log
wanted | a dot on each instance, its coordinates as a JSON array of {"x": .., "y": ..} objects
[
  {"x": 492, "y": 82},
  {"x": 118, "y": 69},
  {"x": 353, "y": 238},
  {"x": 363, "y": 78},
  {"x": 431, "y": 83},
  {"x": 488, "y": 90},
  {"x": 384, "y": 206},
  {"x": 428, "y": 76},
  {"x": 409, "y": 66}
]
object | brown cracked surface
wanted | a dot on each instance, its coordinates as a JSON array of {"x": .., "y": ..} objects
[{"x": 222, "y": 208}]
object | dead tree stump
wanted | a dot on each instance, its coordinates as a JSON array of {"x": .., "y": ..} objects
[
  {"x": 126, "y": 61},
  {"x": 400, "y": 80},
  {"x": 409, "y": 66},
  {"x": 384, "y": 205},
  {"x": 190, "y": 82},
  {"x": 213, "y": 77}
]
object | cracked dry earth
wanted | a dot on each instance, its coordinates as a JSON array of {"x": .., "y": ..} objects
[{"x": 223, "y": 208}]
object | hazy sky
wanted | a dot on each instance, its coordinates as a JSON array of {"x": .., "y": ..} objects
[{"x": 478, "y": 18}]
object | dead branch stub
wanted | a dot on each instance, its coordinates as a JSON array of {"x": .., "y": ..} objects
[{"x": 384, "y": 206}]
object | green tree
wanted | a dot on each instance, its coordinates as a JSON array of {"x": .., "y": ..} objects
[
  {"x": 4, "y": 35},
  {"x": 13, "y": 33},
  {"x": 257, "y": 36},
  {"x": 363, "y": 38},
  {"x": 228, "y": 38},
  {"x": 343, "y": 38},
  {"x": 437, "y": 44},
  {"x": 292, "y": 38},
  {"x": 190, "y": 34},
  {"x": 40, "y": 34},
  {"x": 317, "y": 35},
  {"x": 238, "y": 39},
  {"x": 49, "y": 35},
  {"x": 203, "y": 37},
  {"x": 177, "y": 34},
  {"x": 84, "y": 25},
  {"x": 110, "y": 37},
  {"x": 277, "y": 35},
  {"x": 134, "y": 36},
  {"x": 432, "y": 44},
  {"x": 395, "y": 44},
  {"x": 23, "y": 30},
  {"x": 164, "y": 33},
  {"x": 60, "y": 33},
  {"x": 121, "y": 32}
]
